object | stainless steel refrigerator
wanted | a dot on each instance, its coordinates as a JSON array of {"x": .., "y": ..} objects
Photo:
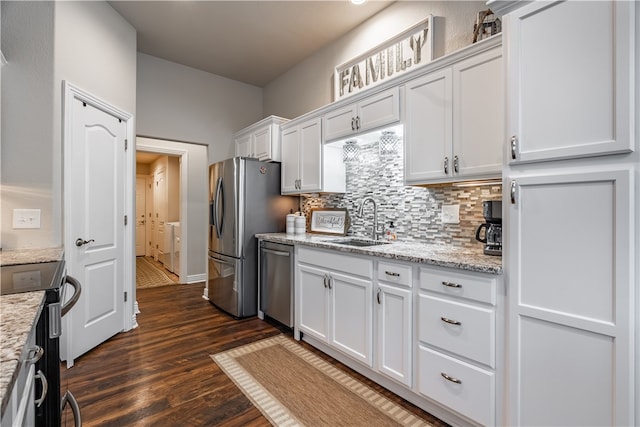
[{"x": 244, "y": 199}]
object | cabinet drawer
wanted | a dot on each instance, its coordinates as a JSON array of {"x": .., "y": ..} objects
[
  {"x": 399, "y": 274},
  {"x": 457, "y": 327},
  {"x": 337, "y": 261},
  {"x": 469, "y": 390},
  {"x": 474, "y": 286}
]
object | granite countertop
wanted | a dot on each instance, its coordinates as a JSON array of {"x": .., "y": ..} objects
[
  {"x": 18, "y": 315},
  {"x": 471, "y": 259},
  {"x": 30, "y": 256}
]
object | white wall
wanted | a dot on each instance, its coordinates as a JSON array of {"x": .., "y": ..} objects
[
  {"x": 27, "y": 122},
  {"x": 184, "y": 104},
  {"x": 309, "y": 85},
  {"x": 86, "y": 43}
]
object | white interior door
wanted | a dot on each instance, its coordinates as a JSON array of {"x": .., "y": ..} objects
[
  {"x": 141, "y": 220},
  {"x": 96, "y": 209}
]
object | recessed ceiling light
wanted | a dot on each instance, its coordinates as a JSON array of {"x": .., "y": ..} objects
[{"x": 358, "y": 1}]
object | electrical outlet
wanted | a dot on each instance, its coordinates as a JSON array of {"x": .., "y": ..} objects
[
  {"x": 451, "y": 214},
  {"x": 26, "y": 218}
]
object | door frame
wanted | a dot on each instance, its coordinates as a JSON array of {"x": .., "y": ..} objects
[
  {"x": 72, "y": 92},
  {"x": 184, "y": 206}
]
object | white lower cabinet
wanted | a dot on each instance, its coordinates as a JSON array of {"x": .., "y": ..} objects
[
  {"x": 334, "y": 306},
  {"x": 458, "y": 335},
  {"x": 463, "y": 387},
  {"x": 429, "y": 334},
  {"x": 394, "y": 320},
  {"x": 570, "y": 313}
]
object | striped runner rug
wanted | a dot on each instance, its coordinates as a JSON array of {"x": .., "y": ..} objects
[
  {"x": 150, "y": 276},
  {"x": 291, "y": 386}
]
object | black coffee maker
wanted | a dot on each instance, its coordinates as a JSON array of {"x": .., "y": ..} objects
[{"x": 492, "y": 211}]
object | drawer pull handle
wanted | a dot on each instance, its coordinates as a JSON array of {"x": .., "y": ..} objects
[
  {"x": 452, "y": 285},
  {"x": 451, "y": 322},
  {"x": 448, "y": 378},
  {"x": 378, "y": 296},
  {"x": 45, "y": 388},
  {"x": 391, "y": 273},
  {"x": 35, "y": 354}
]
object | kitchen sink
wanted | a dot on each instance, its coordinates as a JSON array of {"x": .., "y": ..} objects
[{"x": 358, "y": 242}]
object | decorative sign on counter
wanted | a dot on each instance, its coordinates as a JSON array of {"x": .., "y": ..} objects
[
  {"x": 329, "y": 221},
  {"x": 411, "y": 49}
]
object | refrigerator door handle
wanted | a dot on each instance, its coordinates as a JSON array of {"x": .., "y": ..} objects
[{"x": 218, "y": 202}]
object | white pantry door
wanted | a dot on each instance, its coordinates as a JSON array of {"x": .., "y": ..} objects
[
  {"x": 141, "y": 220},
  {"x": 96, "y": 210}
]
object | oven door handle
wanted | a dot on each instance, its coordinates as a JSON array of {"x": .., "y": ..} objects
[
  {"x": 69, "y": 398},
  {"x": 77, "y": 287}
]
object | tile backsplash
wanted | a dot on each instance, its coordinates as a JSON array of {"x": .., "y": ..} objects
[{"x": 415, "y": 211}]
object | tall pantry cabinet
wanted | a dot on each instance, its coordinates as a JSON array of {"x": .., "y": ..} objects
[{"x": 571, "y": 212}]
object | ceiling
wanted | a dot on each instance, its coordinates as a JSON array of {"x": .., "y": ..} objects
[{"x": 249, "y": 41}]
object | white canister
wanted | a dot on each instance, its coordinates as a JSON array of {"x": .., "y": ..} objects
[
  {"x": 300, "y": 224},
  {"x": 291, "y": 223}
]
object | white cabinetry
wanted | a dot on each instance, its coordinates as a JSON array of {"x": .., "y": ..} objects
[
  {"x": 570, "y": 92},
  {"x": 570, "y": 298},
  {"x": 457, "y": 341},
  {"x": 21, "y": 406},
  {"x": 571, "y": 218},
  {"x": 454, "y": 119},
  {"x": 373, "y": 112},
  {"x": 394, "y": 320},
  {"x": 304, "y": 160},
  {"x": 335, "y": 301},
  {"x": 166, "y": 201},
  {"x": 260, "y": 140}
]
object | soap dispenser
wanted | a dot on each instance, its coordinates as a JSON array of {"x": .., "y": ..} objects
[{"x": 390, "y": 232}]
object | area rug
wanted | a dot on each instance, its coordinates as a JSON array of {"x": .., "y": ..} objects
[
  {"x": 150, "y": 276},
  {"x": 291, "y": 386}
]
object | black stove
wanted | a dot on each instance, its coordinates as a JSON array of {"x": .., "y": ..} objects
[
  {"x": 48, "y": 277},
  {"x": 31, "y": 277}
]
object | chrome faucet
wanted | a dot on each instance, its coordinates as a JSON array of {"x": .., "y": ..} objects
[{"x": 375, "y": 232}]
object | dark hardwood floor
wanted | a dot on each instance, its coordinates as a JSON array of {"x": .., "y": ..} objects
[{"x": 161, "y": 374}]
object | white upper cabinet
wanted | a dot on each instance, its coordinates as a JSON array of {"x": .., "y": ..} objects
[
  {"x": 454, "y": 119},
  {"x": 575, "y": 57},
  {"x": 306, "y": 167},
  {"x": 428, "y": 127},
  {"x": 260, "y": 140},
  {"x": 375, "y": 111},
  {"x": 478, "y": 115}
]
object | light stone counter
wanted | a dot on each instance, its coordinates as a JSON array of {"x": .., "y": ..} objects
[
  {"x": 470, "y": 259},
  {"x": 30, "y": 256}
]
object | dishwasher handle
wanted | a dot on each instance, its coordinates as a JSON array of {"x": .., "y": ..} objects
[{"x": 278, "y": 253}]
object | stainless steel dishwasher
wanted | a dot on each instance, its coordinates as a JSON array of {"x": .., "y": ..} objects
[{"x": 276, "y": 281}]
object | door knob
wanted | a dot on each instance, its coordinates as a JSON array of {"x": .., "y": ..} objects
[{"x": 80, "y": 242}]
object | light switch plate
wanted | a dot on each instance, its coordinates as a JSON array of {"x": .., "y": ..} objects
[
  {"x": 26, "y": 218},
  {"x": 451, "y": 214}
]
